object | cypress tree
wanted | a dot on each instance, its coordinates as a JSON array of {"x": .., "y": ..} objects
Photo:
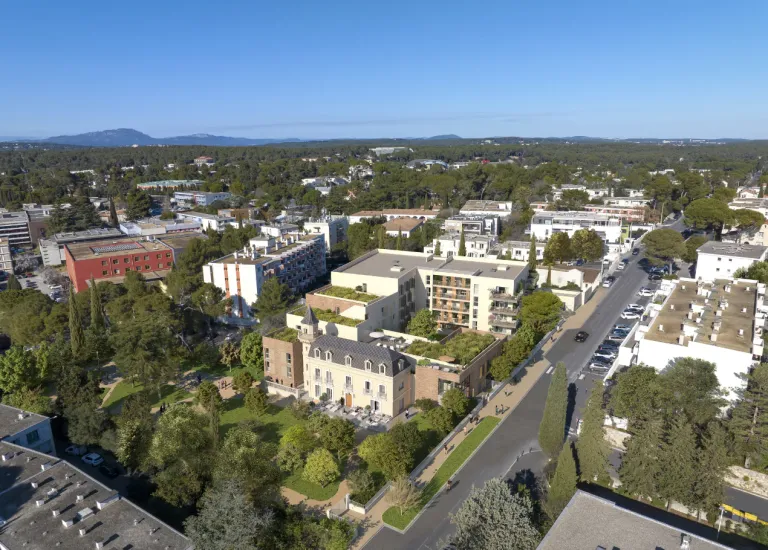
[
  {"x": 462, "y": 244},
  {"x": 76, "y": 335},
  {"x": 532, "y": 255},
  {"x": 437, "y": 248},
  {"x": 713, "y": 463},
  {"x": 399, "y": 242},
  {"x": 381, "y": 235},
  {"x": 591, "y": 447},
  {"x": 679, "y": 455},
  {"x": 563, "y": 484},
  {"x": 641, "y": 465},
  {"x": 552, "y": 427},
  {"x": 749, "y": 417},
  {"x": 113, "y": 220},
  {"x": 13, "y": 283},
  {"x": 97, "y": 315}
]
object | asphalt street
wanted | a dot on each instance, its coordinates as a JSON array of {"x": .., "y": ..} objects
[{"x": 517, "y": 435}]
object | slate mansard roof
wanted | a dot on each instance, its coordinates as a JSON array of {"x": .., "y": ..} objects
[{"x": 340, "y": 348}]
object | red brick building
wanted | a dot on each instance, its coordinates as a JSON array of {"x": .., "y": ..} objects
[{"x": 110, "y": 260}]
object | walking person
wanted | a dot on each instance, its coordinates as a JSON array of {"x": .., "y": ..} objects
[
  {"x": 449, "y": 484},
  {"x": 445, "y": 448}
]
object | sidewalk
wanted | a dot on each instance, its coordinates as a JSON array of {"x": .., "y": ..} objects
[{"x": 509, "y": 397}]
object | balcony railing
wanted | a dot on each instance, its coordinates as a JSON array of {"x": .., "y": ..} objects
[
  {"x": 503, "y": 323},
  {"x": 328, "y": 381},
  {"x": 382, "y": 395},
  {"x": 367, "y": 391},
  {"x": 348, "y": 388},
  {"x": 504, "y": 310},
  {"x": 450, "y": 283}
]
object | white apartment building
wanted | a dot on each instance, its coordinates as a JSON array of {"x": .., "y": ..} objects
[
  {"x": 6, "y": 261},
  {"x": 207, "y": 221},
  {"x": 717, "y": 260},
  {"x": 720, "y": 321},
  {"x": 488, "y": 208},
  {"x": 199, "y": 198},
  {"x": 277, "y": 230},
  {"x": 333, "y": 228},
  {"x": 478, "y": 246},
  {"x": 627, "y": 202},
  {"x": 596, "y": 193},
  {"x": 757, "y": 236},
  {"x": 393, "y": 213},
  {"x": 544, "y": 224},
  {"x": 557, "y": 193},
  {"x": 27, "y": 429},
  {"x": 477, "y": 225},
  {"x": 295, "y": 259},
  {"x": 519, "y": 250}
]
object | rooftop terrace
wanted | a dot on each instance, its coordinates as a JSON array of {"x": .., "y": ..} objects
[
  {"x": 347, "y": 293},
  {"x": 328, "y": 316}
]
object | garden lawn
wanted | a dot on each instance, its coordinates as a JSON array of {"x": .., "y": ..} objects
[
  {"x": 454, "y": 461},
  {"x": 275, "y": 421},
  {"x": 313, "y": 490},
  {"x": 168, "y": 394}
]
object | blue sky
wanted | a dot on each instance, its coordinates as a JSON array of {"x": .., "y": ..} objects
[{"x": 312, "y": 69}]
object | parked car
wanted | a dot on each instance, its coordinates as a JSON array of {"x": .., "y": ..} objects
[
  {"x": 109, "y": 471},
  {"x": 94, "y": 459},
  {"x": 645, "y": 291},
  {"x": 609, "y": 344},
  {"x": 630, "y": 315},
  {"x": 654, "y": 277},
  {"x": 579, "y": 262},
  {"x": 625, "y": 328},
  {"x": 625, "y": 261},
  {"x": 581, "y": 336},
  {"x": 605, "y": 354},
  {"x": 635, "y": 251},
  {"x": 76, "y": 450},
  {"x": 608, "y": 281},
  {"x": 617, "y": 336},
  {"x": 601, "y": 367},
  {"x": 621, "y": 266}
]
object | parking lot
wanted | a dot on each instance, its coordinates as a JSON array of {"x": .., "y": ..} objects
[{"x": 36, "y": 282}]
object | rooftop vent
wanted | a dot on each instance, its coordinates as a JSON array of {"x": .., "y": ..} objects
[
  {"x": 84, "y": 513},
  {"x": 743, "y": 310},
  {"x": 35, "y": 484},
  {"x": 39, "y": 502},
  {"x": 83, "y": 531},
  {"x": 741, "y": 333},
  {"x": 671, "y": 306},
  {"x": 21, "y": 416},
  {"x": 661, "y": 328},
  {"x": 67, "y": 523},
  {"x": 55, "y": 513},
  {"x": 685, "y": 542},
  {"x": 101, "y": 504}
]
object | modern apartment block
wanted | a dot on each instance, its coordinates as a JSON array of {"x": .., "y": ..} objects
[
  {"x": 716, "y": 260},
  {"x": 199, "y": 198},
  {"x": 207, "y": 221},
  {"x": 52, "y": 249},
  {"x": 518, "y": 250},
  {"x": 392, "y": 213},
  {"x": 333, "y": 228},
  {"x": 544, "y": 224},
  {"x": 295, "y": 259},
  {"x": 472, "y": 225},
  {"x": 14, "y": 226},
  {"x": 27, "y": 429},
  {"x": 488, "y": 208},
  {"x": 478, "y": 246},
  {"x": 637, "y": 214}
]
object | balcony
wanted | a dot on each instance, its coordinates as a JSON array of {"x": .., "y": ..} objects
[
  {"x": 451, "y": 295},
  {"x": 506, "y": 297},
  {"x": 382, "y": 395},
  {"x": 504, "y": 323},
  {"x": 503, "y": 310},
  {"x": 367, "y": 391},
  {"x": 446, "y": 307},
  {"x": 451, "y": 283},
  {"x": 328, "y": 381},
  {"x": 348, "y": 388}
]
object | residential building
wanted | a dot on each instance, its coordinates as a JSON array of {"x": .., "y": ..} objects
[
  {"x": 6, "y": 261},
  {"x": 477, "y": 246},
  {"x": 749, "y": 192},
  {"x": 378, "y": 151},
  {"x": 48, "y": 503},
  {"x": 200, "y": 161},
  {"x": 109, "y": 260},
  {"x": 30, "y": 430},
  {"x": 283, "y": 360},
  {"x": 168, "y": 184},
  {"x": 14, "y": 226},
  {"x": 105, "y": 217},
  {"x": 294, "y": 213},
  {"x": 720, "y": 321},
  {"x": 597, "y": 193},
  {"x": 590, "y": 522},
  {"x": 717, "y": 260},
  {"x": 361, "y": 171},
  {"x": 629, "y": 214},
  {"x": 478, "y": 225},
  {"x": 178, "y": 241},
  {"x": 402, "y": 226},
  {"x": 540, "y": 205},
  {"x": 459, "y": 164},
  {"x": 277, "y": 230},
  {"x": 207, "y": 221},
  {"x": 758, "y": 236},
  {"x": 324, "y": 181},
  {"x": 52, "y": 249},
  {"x": 333, "y": 228},
  {"x": 759, "y": 205},
  {"x": 545, "y": 224},
  {"x": 425, "y": 164},
  {"x": 519, "y": 250},
  {"x": 199, "y": 198},
  {"x": 557, "y": 193},
  {"x": 488, "y": 208},
  {"x": 392, "y": 214},
  {"x": 573, "y": 285},
  {"x": 38, "y": 216},
  {"x": 635, "y": 193},
  {"x": 295, "y": 259},
  {"x": 626, "y": 201},
  {"x": 245, "y": 213}
]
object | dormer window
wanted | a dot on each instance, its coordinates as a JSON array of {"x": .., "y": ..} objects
[
  {"x": 368, "y": 365},
  {"x": 328, "y": 356},
  {"x": 317, "y": 353},
  {"x": 348, "y": 361},
  {"x": 382, "y": 368},
  {"x": 400, "y": 364}
]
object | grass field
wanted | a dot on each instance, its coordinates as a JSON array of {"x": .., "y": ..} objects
[
  {"x": 168, "y": 394},
  {"x": 274, "y": 422},
  {"x": 454, "y": 461}
]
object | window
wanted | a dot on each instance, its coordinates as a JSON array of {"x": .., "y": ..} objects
[
  {"x": 328, "y": 356},
  {"x": 317, "y": 390},
  {"x": 719, "y": 259},
  {"x": 288, "y": 358},
  {"x": 317, "y": 353},
  {"x": 167, "y": 254},
  {"x": 402, "y": 385},
  {"x": 348, "y": 382},
  {"x": 367, "y": 365},
  {"x": 138, "y": 268},
  {"x": 104, "y": 273},
  {"x": 126, "y": 260},
  {"x": 429, "y": 278},
  {"x": 146, "y": 258},
  {"x": 266, "y": 366},
  {"x": 382, "y": 390},
  {"x": 329, "y": 393},
  {"x": 382, "y": 368},
  {"x": 115, "y": 261},
  {"x": 169, "y": 264},
  {"x": 289, "y": 371},
  {"x": 159, "y": 266},
  {"x": 117, "y": 272},
  {"x": 401, "y": 364},
  {"x": 103, "y": 262},
  {"x": 348, "y": 361},
  {"x": 32, "y": 437},
  {"x": 159, "y": 256},
  {"x": 317, "y": 374},
  {"x": 367, "y": 386},
  {"x": 266, "y": 353},
  {"x": 146, "y": 267},
  {"x": 136, "y": 258}
]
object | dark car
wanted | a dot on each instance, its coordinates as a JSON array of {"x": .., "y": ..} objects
[
  {"x": 635, "y": 251},
  {"x": 654, "y": 277},
  {"x": 581, "y": 336},
  {"x": 609, "y": 344},
  {"x": 109, "y": 471}
]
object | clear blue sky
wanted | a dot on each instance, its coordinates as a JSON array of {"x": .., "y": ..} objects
[{"x": 312, "y": 69}]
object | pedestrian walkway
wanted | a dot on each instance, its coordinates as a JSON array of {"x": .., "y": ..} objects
[{"x": 507, "y": 399}]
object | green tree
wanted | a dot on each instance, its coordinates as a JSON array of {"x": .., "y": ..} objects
[
  {"x": 247, "y": 460},
  {"x": 456, "y": 402},
  {"x": 227, "y": 520},
  {"x": 134, "y": 431},
  {"x": 19, "y": 370},
  {"x": 139, "y": 204},
  {"x": 359, "y": 239},
  {"x": 664, "y": 245},
  {"x": 713, "y": 463},
  {"x": 515, "y": 351},
  {"x": 749, "y": 417},
  {"x": 552, "y": 426},
  {"x": 691, "y": 385},
  {"x": 462, "y": 243},
  {"x": 242, "y": 381},
  {"x": 587, "y": 245},
  {"x": 563, "y": 484},
  {"x": 362, "y": 485},
  {"x": 338, "y": 436},
  {"x": 76, "y": 335},
  {"x": 591, "y": 447},
  {"x": 256, "y": 401},
  {"x": 708, "y": 214},
  {"x": 641, "y": 466},
  {"x": 97, "y": 314},
  {"x": 251, "y": 352},
  {"x": 558, "y": 248},
  {"x": 493, "y": 518},
  {"x": 321, "y": 468},
  {"x": 381, "y": 452},
  {"x": 532, "y": 255},
  {"x": 229, "y": 354},
  {"x": 677, "y": 479},
  {"x": 691, "y": 246},
  {"x": 403, "y": 494},
  {"x": 273, "y": 299},
  {"x": 399, "y": 240},
  {"x": 573, "y": 199},
  {"x": 748, "y": 220},
  {"x": 437, "y": 249},
  {"x": 637, "y": 395},
  {"x": 208, "y": 396},
  {"x": 541, "y": 311},
  {"x": 441, "y": 419},
  {"x": 724, "y": 194},
  {"x": 113, "y": 219},
  {"x": 13, "y": 283},
  {"x": 381, "y": 237},
  {"x": 423, "y": 324}
]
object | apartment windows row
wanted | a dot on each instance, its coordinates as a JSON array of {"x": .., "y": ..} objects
[
  {"x": 127, "y": 259},
  {"x": 116, "y": 271},
  {"x": 270, "y": 368},
  {"x": 368, "y": 387}
]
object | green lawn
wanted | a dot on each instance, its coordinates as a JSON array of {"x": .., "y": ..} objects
[
  {"x": 309, "y": 489},
  {"x": 168, "y": 394},
  {"x": 457, "y": 457},
  {"x": 274, "y": 422}
]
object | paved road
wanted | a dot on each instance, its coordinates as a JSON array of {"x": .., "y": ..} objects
[{"x": 518, "y": 432}]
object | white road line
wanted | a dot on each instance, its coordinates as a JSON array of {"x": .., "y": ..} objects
[
  {"x": 581, "y": 376},
  {"x": 549, "y": 370}
]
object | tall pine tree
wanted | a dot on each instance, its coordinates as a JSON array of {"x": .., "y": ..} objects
[
  {"x": 563, "y": 484},
  {"x": 532, "y": 255},
  {"x": 437, "y": 247},
  {"x": 552, "y": 427},
  {"x": 76, "y": 335},
  {"x": 641, "y": 465},
  {"x": 713, "y": 464},
  {"x": 381, "y": 236},
  {"x": 97, "y": 314},
  {"x": 749, "y": 417},
  {"x": 399, "y": 241},
  {"x": 113, "y": 219},
  {"x": 462, "y": 243},
  {"x": 591, "y": 447},
  {"x": 679, "y": 455}
]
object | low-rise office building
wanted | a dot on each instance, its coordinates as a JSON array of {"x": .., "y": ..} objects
[
  {"x": 199, "y": 198},
  {"x": 168, "y": 184},
  {"x": 402, "y": 226},
  {"x": 27, "y": 429},
  {"x": 544, "y": 224},
  {"x": 6, "y": 260},
  {"x": 110, "y": 260},
  {"x": 477, "y": 246},
  {"x": 718, "y": 260},
  {"x": 627, "y": 201},
  {"x": 156, "y": 226},
  {"x": 52, "y": 248},
  {"x": 333, "y": 228},
  {"x": 393, "y": 213},
  {"x": 488, "y": 208}
]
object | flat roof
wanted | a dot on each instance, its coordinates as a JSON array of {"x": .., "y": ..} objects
[
  {"x": 590, "y": 522},
  {"x": 734, "y": 250},
  {"x": 114, "y": 247},
  {"x": 482, "y": 205},
  {"x": 474, "y": 268},
  {"x": 572, "y": 214},
  {"x": 398, "y": 211},
  {"x": 247, "y": 259},
  {"x": 87, "y": 235},
  {"x": 169, "y": 183},
  {"x": 11, "y": 421},
  {"x": 708, "y": 298},
  {"x": 105, "y": 515},
  {"x": 180, "y": 240},
  {"x": 203, "y": 215},
  {"x": 17, "y": 217},
  {"x": 468, "y": 237}
]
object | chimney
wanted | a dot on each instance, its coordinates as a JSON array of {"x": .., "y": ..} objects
[
  {"x": 661, "y": 328},
  {"x": 741, "y": 333},
  {"x": 83, "y": 531},
  {"x": 55, "y": 513}
]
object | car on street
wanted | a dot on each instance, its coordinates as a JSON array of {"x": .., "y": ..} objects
[
  {"x": 621, "y": 266},
  {"x": 630, "y": 315},
  {"x": 109, "y": 471},
  {"x": 579, "y": 425},
  {"x": 76, "y": 450},
  {"x": 635, "y": 251},
  {"x": 581, "y": 336},
  {"x": 600, "y": 367},
  {"x": 609, "y": 344},
  {"x": 617, "y": 336},
  {"x": 94, "y": 459},
  {"x": 605, "y": 354},
  {"x": 645, "y": 291},
  {"x": 634, "y": 306},
  {"x": 608, "y": 281}
]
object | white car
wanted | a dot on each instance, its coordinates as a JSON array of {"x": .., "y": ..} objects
[
  {"x": 635, "y": 306},
  {"x": 94, "y": 459},
  {"x": 645, "y": 292},
  {"x": 625, "y": 328},
  {"x": 76, "y": 450},
  {"x": 630, "y": 315},
  {"x": 605, "y": 354}
]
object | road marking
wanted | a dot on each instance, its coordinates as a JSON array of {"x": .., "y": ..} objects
[
  {"x": 549, "y": 370},
  {"x": 582, "y": 376}
]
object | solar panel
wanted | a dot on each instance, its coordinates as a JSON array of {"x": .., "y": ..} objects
[{"x": 116, "y": 248}]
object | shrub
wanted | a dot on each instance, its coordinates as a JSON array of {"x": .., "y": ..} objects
[
  {"x": 300, "y": 409},
  {"x": 321, "y": 468},
  {"x": 256, "y": 401},
  {"x": 456, "y": 402},
  {"x": 285, "y": 334},
  {"x": 362, "y": 485},
  {"x": 242, "y": 381},
  {"x": 463, "y": 348},
  {"x": 348, "y": 293},
  {"x": 441, "y": 419},
  {"x": 425, "y": 405},
  {"x": 317, "y": 422}
]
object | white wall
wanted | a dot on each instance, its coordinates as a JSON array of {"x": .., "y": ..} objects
[
  {"x": 43, "y": 443},
  {"x": 713, "y": 266}
]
